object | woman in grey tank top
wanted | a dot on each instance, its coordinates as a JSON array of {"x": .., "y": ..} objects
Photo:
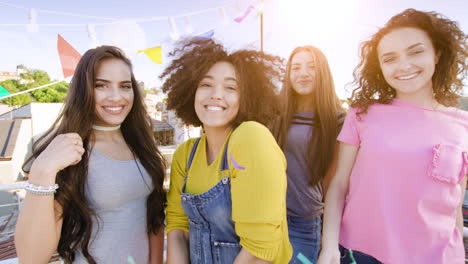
[
  {"x": 95, "y": 190},
  {"x": 310, "y": 125}
]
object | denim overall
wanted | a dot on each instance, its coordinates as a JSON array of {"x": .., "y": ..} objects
[{"x": 213, "y": 239}]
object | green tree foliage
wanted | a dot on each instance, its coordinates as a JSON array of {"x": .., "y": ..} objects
[
  {"x": 12, "y": 86},
  {"x": 32, "y": 79},
  {"x": 51, "y": 94}
]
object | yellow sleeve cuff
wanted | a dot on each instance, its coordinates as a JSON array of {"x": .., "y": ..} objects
[{"x": 261, "y": 240}]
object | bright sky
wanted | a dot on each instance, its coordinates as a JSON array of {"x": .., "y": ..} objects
[{"x": 335, "y": 26}]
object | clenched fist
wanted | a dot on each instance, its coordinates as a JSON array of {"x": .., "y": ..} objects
[{"x": 63, "y": 151}]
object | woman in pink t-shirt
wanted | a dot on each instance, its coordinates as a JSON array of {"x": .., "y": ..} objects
[{"x": 397, "y": 193}]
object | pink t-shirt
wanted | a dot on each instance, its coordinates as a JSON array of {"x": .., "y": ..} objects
[{"x": 404, "y": 188}]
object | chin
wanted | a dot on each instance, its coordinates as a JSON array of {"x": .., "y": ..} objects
[{"x": 110, "y": 122}]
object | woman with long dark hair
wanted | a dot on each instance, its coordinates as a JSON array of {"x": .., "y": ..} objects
[
  {"x": 311, "y": 120},
  {"x": 95, "y": 184}
]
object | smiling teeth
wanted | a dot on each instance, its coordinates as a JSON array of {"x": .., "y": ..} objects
[
  {"x": 407, "y": 77},
  {"x": 114, "y": 108},
  {"x": 214, "y": 108}
]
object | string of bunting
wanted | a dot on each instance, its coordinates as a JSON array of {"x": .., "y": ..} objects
[{"x": 69, "y": 56}]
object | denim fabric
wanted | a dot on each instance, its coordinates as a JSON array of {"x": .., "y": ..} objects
[
  {"x": 304, "y": 235},
  {"x": 361, "y": 258},
  {"x": 212, "y": 236}
]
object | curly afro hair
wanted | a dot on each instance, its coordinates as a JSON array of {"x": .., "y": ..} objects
[
  {"x": 449, "y": 43},
  {"x": 258, "y": 73}
]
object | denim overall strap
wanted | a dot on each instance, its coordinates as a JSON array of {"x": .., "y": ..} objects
[
  {"x": 192, "y": 154},
  {"x": 212, "y": 236},
  {"x": 224, "y": 163}
]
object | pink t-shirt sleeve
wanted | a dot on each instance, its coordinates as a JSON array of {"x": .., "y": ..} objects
[
  {"x": 465, "y": 164},
  {"x": 349, "y": 133}
]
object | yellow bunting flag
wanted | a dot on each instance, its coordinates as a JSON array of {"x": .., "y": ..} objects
[{"x": 155, "y": 54}]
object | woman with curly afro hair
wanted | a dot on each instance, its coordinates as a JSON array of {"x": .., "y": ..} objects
[
  {"x": 398, "y": 190},
  {"x": 227, "y": 195}
]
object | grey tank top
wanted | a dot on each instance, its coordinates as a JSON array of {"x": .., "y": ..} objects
[
  {"x": 117, "y": 192},
  {"x": 302, "y": 200}
]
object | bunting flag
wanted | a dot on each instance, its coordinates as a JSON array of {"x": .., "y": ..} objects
[
  {"x": 69, "y": 57},
  {"x": 3, "y": 92},
  {"x": 249, "y": 9},
  {"x": 206, "y": 35},
  {"x": 155, "y": 54},
  {"x": 32, "y": 26}
]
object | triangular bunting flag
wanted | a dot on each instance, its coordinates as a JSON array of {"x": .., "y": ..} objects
[
  {"x": 246, "y": 13},
  {"x": 206, "y": 35},
  {"x": 69, "y": 57},
  {"x": 3, "y": 92},
  {"x": 155, "y": 54}
]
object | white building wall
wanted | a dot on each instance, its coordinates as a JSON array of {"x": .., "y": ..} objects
[
  {"x": 43, "y": 115},
  {"x": 11, "y": 170},
  {"x": 22, "y": 149}
]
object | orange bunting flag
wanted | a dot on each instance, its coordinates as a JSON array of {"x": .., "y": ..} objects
[{"x": 69, "y": 57}]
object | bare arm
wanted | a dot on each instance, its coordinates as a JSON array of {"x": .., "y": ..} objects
[
  {"x": 331, "y": 171},
  {"x": 157, "y": 247},
  {"x": 178, "y": 247},
  {"x": 245, "y": 257},
  {"x": 334, "y": 203},
  {"x": 38, "y": 229},
  {"x": 460, "y": 209},
  {"x": 40, "y": 219}
]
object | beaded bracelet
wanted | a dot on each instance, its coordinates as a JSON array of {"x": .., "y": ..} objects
[{"x": 40, "y": 190}]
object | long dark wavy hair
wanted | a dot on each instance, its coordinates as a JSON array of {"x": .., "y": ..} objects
[
  {"x": 449, "y": 42},
  {"x": 78, "y": 116},
  {"x": 328, "y": 113},
  {"x": 258, "y": 75}
]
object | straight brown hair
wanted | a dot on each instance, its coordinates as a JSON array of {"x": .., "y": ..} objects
[{"x": 328, "y": 113}]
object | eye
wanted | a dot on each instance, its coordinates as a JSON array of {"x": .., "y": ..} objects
[
  {"x": 99, "y": 85},
  {"x": 127, "y": 86},
  {"x": 418, "y": 51},
  {"x": 388, "y": 59},
  {"x": 233, "y": 88},
  {"x": 205, "y": 84},
  {"x": 295, "y": 68}
]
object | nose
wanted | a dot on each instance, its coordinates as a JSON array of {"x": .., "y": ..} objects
[
  {"x": 405, "y": 64},
  {"x": 217, "y": 92},
  {"x": 303, "y": 72},
  {"x": 114, "y": 93}
]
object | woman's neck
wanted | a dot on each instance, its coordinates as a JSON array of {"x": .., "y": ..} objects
[
  {"x": 304, "y": 104},
  {"x": 215, "y": 138},
  {"x": 423, "y": 97},
  {"x": 114, "y": 136}
]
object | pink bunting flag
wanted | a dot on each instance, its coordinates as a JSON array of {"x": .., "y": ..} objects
[{"x": 246, "y": 13}]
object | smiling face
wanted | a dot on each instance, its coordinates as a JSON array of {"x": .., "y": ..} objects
[
  {"x": 217, "y": 96},
  {"x": 302, "y": 73},
  {"x": 113, "y": 92},
  {"x": 407, "y": 59}
]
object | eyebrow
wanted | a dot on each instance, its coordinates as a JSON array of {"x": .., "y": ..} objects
[
  {"x": 107, "y": 81},
  {"x": 410, "y": 47},
  {"x": 309, "y": 62},
  {"x": 226, "y": 79}
]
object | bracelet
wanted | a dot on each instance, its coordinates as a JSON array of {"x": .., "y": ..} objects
[{"x": 40, "y": 190}]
